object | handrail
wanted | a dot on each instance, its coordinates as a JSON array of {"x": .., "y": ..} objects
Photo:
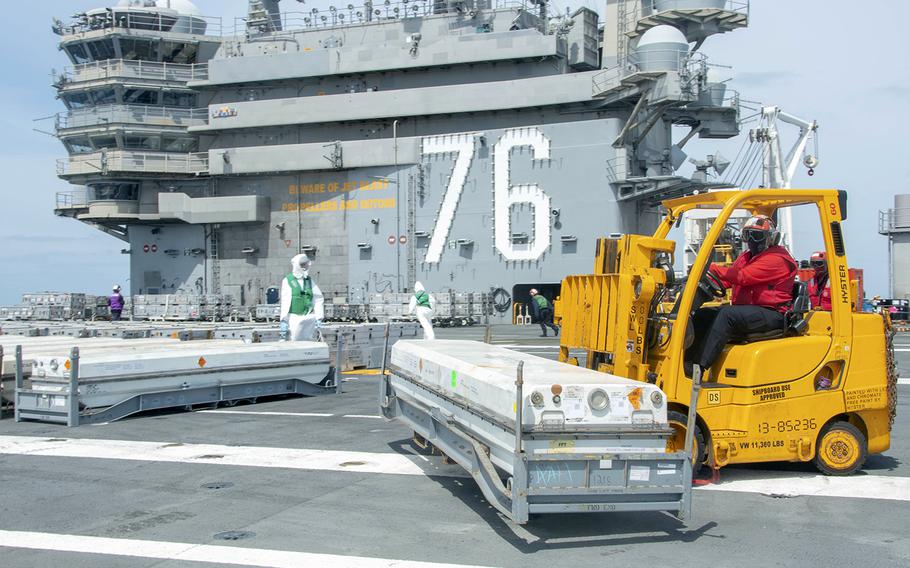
[
  {"x": 650, "y": 62},
  {"x": 617, "y": 169},
  {"x": 655, "y": 12},
  {"x": 128, "y": 68},
  {"x": 368, "y": 12},
  {"x": 130, "y": 114},
  {"x": 137, "y": 162},
  {"x": 128, "y": 18},
  {"x": 894, "y": 220},
  {"x": 658, "y": 6},
  {"x": 75, "y": 199}
]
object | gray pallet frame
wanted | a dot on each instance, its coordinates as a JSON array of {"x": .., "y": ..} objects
[
  {"x": 31, "y": 405},
  {"x": 516, "y": 500}
]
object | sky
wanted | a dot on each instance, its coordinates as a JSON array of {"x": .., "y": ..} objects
[{"x": 829, "y": 60}]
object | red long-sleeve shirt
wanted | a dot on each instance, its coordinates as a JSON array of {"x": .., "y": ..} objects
[{"x": 765, "y": 280}]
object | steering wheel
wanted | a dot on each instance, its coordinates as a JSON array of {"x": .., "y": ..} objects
[{"x": 712, "y": 285}]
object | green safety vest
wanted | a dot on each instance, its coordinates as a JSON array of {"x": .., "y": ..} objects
[
  {"x": 423, "y": 299},
  {"x": 301, "y": 298},
  {"x": 542, "y": 302}
]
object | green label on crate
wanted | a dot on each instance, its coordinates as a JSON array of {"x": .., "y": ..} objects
[{"x": 454, "y": 379}]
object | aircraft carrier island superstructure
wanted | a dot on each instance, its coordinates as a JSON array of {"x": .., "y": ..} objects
[{"x": 472, "y": 145}]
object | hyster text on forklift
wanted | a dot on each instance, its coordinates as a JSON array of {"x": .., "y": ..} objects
[{"x": 822, "y": 388}]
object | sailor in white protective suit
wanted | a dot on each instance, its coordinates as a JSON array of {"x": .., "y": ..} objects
[
  {"x": 302, "y": 303},
  {"x": 423, "y": 305}
]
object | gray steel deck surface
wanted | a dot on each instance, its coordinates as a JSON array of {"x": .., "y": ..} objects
[{"x": 433, "y": 518}]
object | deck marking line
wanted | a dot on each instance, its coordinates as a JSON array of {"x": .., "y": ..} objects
[
  {"x": 266, "y": 413},
  {"x": 891, "y": 488},
  {"x": 212, "y": 454},
  {"x": 182, "y": 551},
  {"x": 304, "y": 414},
  {"x": 903, "y": 381}
]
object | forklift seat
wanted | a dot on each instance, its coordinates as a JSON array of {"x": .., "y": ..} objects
[{"x": 795, "y": 321}]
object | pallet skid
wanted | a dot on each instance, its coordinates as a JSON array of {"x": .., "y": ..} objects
[
  {"x": 61, "y": 408},
  {"x": 522, "y": 470}
]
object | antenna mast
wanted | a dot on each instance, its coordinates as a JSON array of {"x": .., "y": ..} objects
[{"x": 777, "y": 170}]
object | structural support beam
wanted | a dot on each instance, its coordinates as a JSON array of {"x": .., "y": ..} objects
[{"x": 119, "y": 231}]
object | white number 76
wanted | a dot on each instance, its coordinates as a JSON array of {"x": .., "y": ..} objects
[{"x": 504, "y": 194}]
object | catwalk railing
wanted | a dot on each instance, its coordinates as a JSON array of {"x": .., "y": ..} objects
[
  {"x": 894, "y": 220},
  {"x": 163, "y": 21},
  {"x": 349, "y": 14},
  {"x": 194, "y": 163},
  {"x": 131, "y": 114},
  {"x": 75, "y": 199},
  {"x": 373, "y": 12},
  {"x": 643, "y": 66},
  {"x": 130, "y": 69}
]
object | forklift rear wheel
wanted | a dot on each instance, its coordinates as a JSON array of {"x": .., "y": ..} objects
[
  {"x": 677, "y": 442},
  {"x": 841, "y": 449}
]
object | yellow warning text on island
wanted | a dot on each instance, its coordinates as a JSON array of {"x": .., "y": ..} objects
[{"x": 339, "y": 205}]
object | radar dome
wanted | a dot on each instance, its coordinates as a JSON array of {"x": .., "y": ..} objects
[
  {"x": 662, "y": 34},
  {"x": 662, "y": 48}
]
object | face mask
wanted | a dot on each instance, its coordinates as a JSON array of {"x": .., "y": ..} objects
[{"x": 756, "y": 248}]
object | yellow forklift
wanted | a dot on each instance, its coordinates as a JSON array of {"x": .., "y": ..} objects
[{"x": 822, "y": 388}]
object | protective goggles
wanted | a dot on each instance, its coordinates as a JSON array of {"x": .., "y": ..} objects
[
  {"x": 755, "y": 235},
  {"x": 818, "y": 263}
]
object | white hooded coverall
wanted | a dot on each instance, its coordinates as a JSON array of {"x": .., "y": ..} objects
[
  {"x": 424, "y": 314},
  {"x": 301, "y": 327}
]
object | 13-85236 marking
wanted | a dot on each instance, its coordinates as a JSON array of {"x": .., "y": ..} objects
[{"x": 794, "y": 425}]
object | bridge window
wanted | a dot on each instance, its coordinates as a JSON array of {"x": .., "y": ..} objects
[
  {"x": 178, "y": 52},
  {"x": 104, "y": 97},
  {"x": 139, "y": 49},
  {"x": 176, "y": 144},
  {"x": 76, "y": 100},
  {"x": 101, "y": 50},
  {"x": 114, "y": 190},
  {"x": 178, "y": 99},
  {"x": 104, "y": 142},
  {"x": 140, "y": 97},
  {"x": 80, "y": 145},
  {"x": 78, "y": 53},
  {"x": 141, "y": 142}
]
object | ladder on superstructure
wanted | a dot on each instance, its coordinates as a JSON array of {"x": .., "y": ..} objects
[
  {"x": 626, "y": 11},
  {"x": 213, "y": 259},
  {"x": 411, "y": 250}
]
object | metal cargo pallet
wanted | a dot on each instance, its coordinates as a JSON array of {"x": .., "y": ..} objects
[
  {"x": 542, "y": 475},
  {"x": 69, "y": 401}
]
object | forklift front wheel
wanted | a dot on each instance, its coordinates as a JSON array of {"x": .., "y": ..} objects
[
  {"x": 841, "y": 449},
  {"x": 677, "y": 442}
]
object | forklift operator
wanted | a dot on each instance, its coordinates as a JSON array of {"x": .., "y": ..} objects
[{"x": 762, "y": 281}]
